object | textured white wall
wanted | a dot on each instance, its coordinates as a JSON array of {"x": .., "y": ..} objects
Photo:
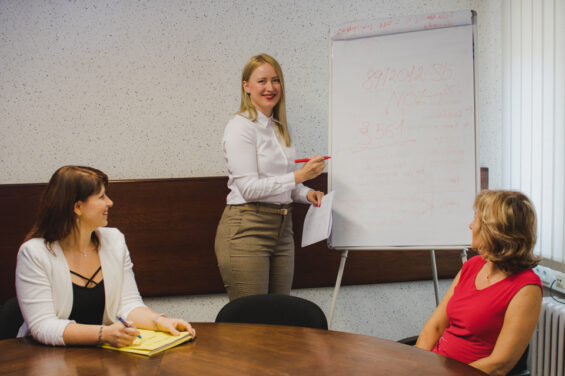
[{"x": 142, "y": 89}]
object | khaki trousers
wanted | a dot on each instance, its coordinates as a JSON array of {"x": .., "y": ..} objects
[{"x": 255, "y": 249}]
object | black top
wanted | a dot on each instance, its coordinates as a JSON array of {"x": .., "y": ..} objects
[{"x": 88, "y": 303}]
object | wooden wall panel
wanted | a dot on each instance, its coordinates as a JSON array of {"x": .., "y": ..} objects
[
  {"x": 19, "y": 203},
  {"x": 170, "y": 226}
]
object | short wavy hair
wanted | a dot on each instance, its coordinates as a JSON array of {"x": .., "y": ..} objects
[{"x": 507, "y": 229}]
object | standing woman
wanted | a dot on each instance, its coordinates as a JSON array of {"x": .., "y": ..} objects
[
  {"x": 74, "y": 277},
  {"x": 254, "y": 241}
]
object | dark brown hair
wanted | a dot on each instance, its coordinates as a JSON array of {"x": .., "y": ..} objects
[
  {"x": 507, "y": 229},
  {"x": 56, "y": 218}
]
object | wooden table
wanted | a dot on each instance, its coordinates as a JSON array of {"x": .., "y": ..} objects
[{"x": 237, "y": 349}]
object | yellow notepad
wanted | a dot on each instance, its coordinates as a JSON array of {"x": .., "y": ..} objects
[{"x": 152, "y": 342}]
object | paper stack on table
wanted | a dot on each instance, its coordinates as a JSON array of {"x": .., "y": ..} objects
[{"x": 152, "y": 342}]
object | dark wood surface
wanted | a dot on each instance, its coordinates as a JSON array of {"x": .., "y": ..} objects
[
  {"x": 238, "y": 349},
  {"x": 170, "y": 225}
]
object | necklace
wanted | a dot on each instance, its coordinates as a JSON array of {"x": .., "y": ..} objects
[
  {"x": 494, "y": 275},
  {"x": 72, "y": 247},
  {"x": 85, "y": 251},
  {"x": 489, "y": 274}
]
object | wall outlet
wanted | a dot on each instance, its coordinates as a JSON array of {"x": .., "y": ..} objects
[
  {"x": 549, "y": 276},
  {"x": 545, "y": 274},
  {"x": 559, "y": 281}
]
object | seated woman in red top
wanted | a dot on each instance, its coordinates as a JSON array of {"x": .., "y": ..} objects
[{"x": 490, "y": 312}]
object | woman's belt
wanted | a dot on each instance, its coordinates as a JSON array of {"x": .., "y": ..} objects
[{"x": 264, "y": 207}]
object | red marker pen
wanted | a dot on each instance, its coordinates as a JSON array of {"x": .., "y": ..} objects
[{"x": 304, "y": 160}]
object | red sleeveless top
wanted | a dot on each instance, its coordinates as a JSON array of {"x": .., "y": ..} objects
[{"x": 476, "y": 316}]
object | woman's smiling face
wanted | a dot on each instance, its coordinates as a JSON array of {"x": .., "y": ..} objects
[
  {"x": 94, "y": 211},
  {"x": 264, "y": 88}
]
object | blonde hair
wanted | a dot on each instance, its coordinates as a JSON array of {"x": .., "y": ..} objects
[
  {"x": 279, "y": 111},
  {"x": 507, "y": 229}
]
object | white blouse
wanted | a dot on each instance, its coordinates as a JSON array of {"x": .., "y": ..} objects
[
  {"x": 260, "y": 166},
  {"x": 45, "y": 289}
]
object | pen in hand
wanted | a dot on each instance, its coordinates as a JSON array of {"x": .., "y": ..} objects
[
  {"x": 304, "y": 160},
  {"x": 126, "y": 325}
]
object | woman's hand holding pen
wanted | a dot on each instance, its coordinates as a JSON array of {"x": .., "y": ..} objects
[
  {"x": 119, "y": 335},
  {"x": 174, "y": 326},
  {"x": 311, "y": 169}
]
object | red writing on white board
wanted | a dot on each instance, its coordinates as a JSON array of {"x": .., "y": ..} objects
[
  {"x": 374, "y": 131},
  {"x": 389, "y": 25},
  {"x": 361, "y": 29},
  {"x": 441, "y": 71},
  {"x": 380, "y": 78},
  {"x": 390, "y": 76},
  {"x": 447, "y": 94}
]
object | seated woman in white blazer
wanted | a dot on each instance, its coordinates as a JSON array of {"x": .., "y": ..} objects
[{"x": 74, "y": 277}]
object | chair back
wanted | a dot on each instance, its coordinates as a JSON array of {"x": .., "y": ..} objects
[
  {"x": 10, "y": 318},
  {"x": 273, "y": 309},
  {"x": 409, "y": 340}
]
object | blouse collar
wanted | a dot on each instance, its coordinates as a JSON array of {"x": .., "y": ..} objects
[{"x": 263, "y": 120}]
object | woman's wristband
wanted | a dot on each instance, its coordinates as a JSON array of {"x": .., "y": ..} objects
[{"x": 100, "y": 334}]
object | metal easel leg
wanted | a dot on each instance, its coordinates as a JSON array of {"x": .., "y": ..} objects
[
  {"x": 337, "y": 285},
  {"x": 434, "y": 271},
  {"x": 464, "y": 255}
]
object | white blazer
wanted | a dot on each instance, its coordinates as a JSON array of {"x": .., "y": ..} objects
[{"x": 44, "y": 287}]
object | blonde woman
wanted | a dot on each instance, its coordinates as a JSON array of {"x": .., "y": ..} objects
[
  {"x": 487, "y": 317},
  {"x": 254, "y": 241}
]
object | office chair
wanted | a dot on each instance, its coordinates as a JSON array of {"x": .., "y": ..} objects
[
  {"x": 520, "y": 369},
  {"x": 273, "y": 309},
  {"x": 10, "y": 318}
]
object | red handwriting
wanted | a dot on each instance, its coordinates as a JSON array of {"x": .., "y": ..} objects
[
  {"x": 372, "y": 132},
  {"x": 379, "y": 78},
  {"x": 382, "y": 78},
  {"x": 441, "y": 71},
  {"x": 431, "y": 21},
  {"x": 445, "y": 95}
]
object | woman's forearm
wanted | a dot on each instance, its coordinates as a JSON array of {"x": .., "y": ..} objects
[
  {"x": 428, "y": 339},
  {"x": 490, "y": 367},
  {"x": 81, "y": 334},
  {"x": 438, "y": 322}
]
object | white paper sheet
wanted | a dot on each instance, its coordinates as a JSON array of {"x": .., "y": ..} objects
[{"x": 318, "y": 221}]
